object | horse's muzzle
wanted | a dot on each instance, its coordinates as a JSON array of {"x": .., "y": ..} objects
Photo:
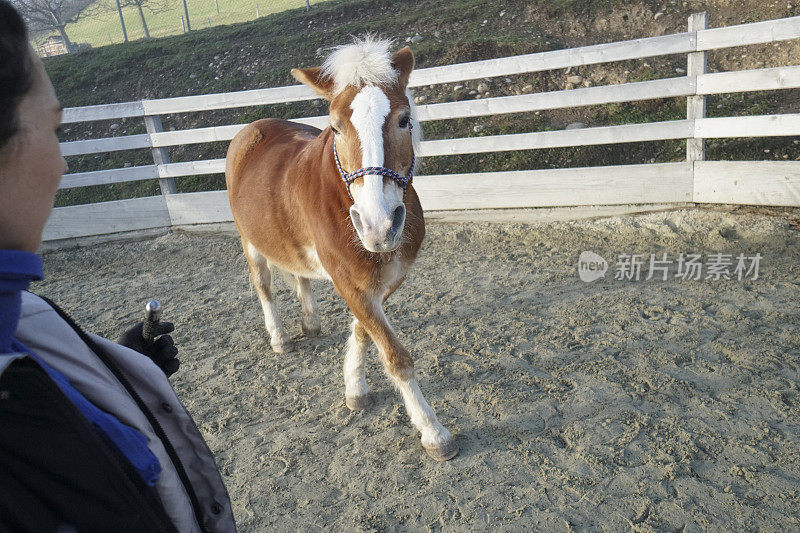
[{"x": 381, "y": 233}]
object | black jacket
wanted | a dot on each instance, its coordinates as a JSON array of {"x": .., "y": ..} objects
[{"x": 57, "y": 470}]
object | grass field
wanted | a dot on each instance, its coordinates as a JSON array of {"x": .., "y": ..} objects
[{"x": 103, "y": 27}]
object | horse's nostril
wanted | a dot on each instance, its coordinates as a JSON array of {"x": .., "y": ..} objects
[
  {"x": 398, "y": 218},
  {"x": 356, "y": 218}
]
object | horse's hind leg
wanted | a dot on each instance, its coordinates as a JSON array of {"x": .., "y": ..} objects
[
  {"x": 356, "y": 390},
  {"x": 262, "y": 278},
  {"x": 308, "y": 304}
]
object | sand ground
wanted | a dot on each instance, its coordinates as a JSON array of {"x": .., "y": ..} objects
[{"x": 615, "y": 405}]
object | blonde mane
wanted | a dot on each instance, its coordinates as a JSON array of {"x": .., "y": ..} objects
[{"x": 366, "y": 61}]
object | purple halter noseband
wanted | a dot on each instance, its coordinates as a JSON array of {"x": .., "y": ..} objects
[{"x": 378, "y": 171}]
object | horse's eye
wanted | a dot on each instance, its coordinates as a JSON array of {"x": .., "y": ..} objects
[
  {"x": 335, "y": 131},
  {"x": 404, "y": 121}
]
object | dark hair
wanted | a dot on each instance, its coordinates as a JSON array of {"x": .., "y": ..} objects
[{"x": 16, "y": 68}]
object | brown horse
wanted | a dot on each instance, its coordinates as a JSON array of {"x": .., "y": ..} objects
[{"x": 338, "y": 204}]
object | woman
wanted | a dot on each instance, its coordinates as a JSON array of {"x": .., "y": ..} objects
[{"x": 92, "y": 436}]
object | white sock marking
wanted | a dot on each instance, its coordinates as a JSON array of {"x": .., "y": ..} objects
[
  {"x": 434, "y": 434},
  {"x": 308, "y": 304},
  {"x": 271, "y": 319},
  {"x": 355, "y": 381}
]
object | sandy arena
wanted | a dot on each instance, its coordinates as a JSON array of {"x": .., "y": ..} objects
[{"x": 607, "y": 406}]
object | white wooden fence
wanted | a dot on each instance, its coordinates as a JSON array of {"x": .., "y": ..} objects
[{"x": 695, "y": 180}]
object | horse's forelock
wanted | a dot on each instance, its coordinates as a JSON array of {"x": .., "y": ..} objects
[{"x": 366, "y": 61}]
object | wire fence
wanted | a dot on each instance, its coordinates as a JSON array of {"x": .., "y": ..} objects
[{"x": 107, "y": 22}]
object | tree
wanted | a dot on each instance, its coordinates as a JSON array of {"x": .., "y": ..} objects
[
  {"x": 50, "y": 15},
  {"x": 153, "y": 6}
]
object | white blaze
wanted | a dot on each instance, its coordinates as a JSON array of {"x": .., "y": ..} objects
[{"x": 370, "y": 109}]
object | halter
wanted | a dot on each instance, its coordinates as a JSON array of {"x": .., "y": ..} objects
[{"x": 378, "y": 171}]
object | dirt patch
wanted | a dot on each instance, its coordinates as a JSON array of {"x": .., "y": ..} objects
[{"x": 647, "y": 405}]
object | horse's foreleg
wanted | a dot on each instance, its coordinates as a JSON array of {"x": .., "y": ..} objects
[
  {"x": 356, "y": 390},
  {"x": 308, "y": 304},
  {"x": 262, "y": 278},
  {"x": 436, "y": 440}
]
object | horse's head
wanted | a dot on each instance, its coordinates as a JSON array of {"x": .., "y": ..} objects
[{"x": 371, "y": 116}]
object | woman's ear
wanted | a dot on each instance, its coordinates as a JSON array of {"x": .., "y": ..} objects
[
  {"x": 313, "y": 77},
  {"x": 403, "y": 63}
]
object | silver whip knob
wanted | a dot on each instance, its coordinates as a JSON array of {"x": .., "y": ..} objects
[{"x": 152, "y": 316}]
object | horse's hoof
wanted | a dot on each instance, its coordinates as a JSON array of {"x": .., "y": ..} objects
[
  {"x": 445, "y": 452},
  {"x": 358, "y": 403},
  {"x": 311, "y": 331},
  {"x": 282, "y": 347}
]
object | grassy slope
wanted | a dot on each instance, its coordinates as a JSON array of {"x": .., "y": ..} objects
[
  {"x": 261, "y": 53},
  {"x": 103, "y": 25}
]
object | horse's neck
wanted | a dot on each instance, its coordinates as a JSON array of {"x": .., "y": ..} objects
[
  {"x": 320, "y": 160},
  {"x": 315, "y": 190}
]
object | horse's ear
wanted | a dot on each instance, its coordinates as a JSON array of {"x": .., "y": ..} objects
[
  {"x": 403, "y": 63},
  {"x": 313, "y": 77}
]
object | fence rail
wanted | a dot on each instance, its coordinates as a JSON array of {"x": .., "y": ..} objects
[
  {"x": 718, "y": 83},
  {"x": 695, "y": 180}
]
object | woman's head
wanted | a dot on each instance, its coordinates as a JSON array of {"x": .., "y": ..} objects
[
  {"x": 31, "y": 164},
  {"x": 16, "y": 68}
]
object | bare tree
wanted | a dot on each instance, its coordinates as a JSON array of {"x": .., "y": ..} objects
[
  {"x": 49, "y": 15},
  {"x": 153, "y": 6}
]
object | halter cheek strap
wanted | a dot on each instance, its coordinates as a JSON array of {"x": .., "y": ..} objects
[{"x": 377, "y": 171}]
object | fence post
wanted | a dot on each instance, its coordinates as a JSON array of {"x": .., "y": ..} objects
[
  {"x": 122, "y": 22},
  {"x": 696, "y": 105},
  {"x": 160, "y": 155},
  {"x": 186, "y": 12}
]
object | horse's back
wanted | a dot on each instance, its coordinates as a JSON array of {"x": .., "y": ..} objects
[
  {"x": 259, "y": 163},
  {"x": 253, "y": 144}
]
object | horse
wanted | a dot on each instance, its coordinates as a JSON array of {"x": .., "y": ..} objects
[{"x": 338, "y": 204}]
